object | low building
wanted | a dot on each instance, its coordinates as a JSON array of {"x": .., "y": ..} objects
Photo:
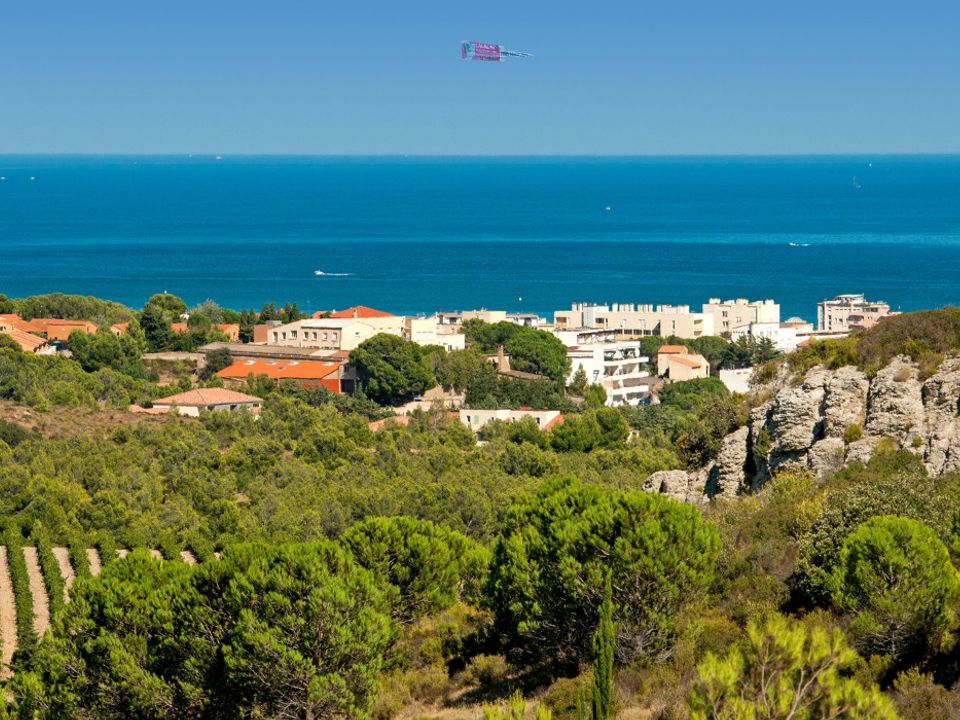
[
  {"x": 190, "y": 403},
  {"x": 737, "y": 380},
  {"x": 60, "y": 330},
  {"x": 231, "y": 330},
  {"x": 846, "y": 313},
  {"x": 119, "y": 329},
  {"x": 28, "y": 342},
  {"x": 477, "y": 419},
  {"x": 308, "y": 374},
  {"x": 730, "y": 314},
  {"x": 676, "y": 364}
]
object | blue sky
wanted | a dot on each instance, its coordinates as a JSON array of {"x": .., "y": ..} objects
[{"x": 382, "y": 76}]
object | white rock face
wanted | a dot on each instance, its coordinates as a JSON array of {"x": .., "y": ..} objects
[
  {"x": 845, "y": 402},
  {"x": 941, "y": 403},
  {"x": 895, "y": 403},
  {"x": 803, "y": 425}
]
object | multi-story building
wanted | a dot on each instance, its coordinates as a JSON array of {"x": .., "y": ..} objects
[
  {"x": 325, "y": 333},
  {"x": 429, "y": 331},
  {"x": 629, "y": 320},
  {"x": 730, "y": 314},
  {"x": 846, "y": 313},
  {"x": 783, "y": 336},
  {"x": 676, "y": 363}
]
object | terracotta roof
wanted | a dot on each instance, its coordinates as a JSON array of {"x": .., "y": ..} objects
[
  {"x": 398, "y": 419},
  {"x": 280, "y": 369},
  {"x": 178, "y": 327},
  {"x": 17, "y": 322},
  {"x": 360, "y": 311},
  {"x": 27, "y": 341},
  {"x": 558, "y": 420},
  {"x": 207, "y": 396},
  {"x": 121, "y": 327},
  {"x": 226, "y": 328},
  {"x": 690, "y": 360},
  {"x": 672, "y": 350}
]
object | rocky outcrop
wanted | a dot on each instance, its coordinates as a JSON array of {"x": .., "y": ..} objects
[
  {"x": 827, "y": 419},
  {"x": 941, "y": 403},
  {"x": 895, "y": 402}
]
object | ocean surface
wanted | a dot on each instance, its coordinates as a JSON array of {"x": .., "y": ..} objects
[{"x": 415, "y": 235}]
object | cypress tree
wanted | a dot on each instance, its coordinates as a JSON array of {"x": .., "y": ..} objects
[{"x": 603, "y": 644}]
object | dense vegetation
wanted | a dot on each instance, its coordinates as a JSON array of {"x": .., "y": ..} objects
[{"x": 367, "y": 574}]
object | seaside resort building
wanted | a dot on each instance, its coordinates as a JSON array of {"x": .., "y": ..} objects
[
  {"x": 731, "y": 314},
  {"x": 846, "y": 313},
  {"x": 617, "y": 365},
  {"x": 629, "y": 320}
]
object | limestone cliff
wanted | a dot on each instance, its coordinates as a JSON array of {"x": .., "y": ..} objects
[{"x": 828, "y": 418}]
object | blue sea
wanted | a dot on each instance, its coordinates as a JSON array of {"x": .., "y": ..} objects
[{"x": 415, "y": 234}]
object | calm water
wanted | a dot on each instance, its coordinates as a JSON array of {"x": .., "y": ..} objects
[{"x": 417, "y": 235}]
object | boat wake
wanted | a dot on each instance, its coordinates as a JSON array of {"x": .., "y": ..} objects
[{"x": 321, "y": 273}]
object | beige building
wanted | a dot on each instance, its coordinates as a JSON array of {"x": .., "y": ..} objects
[
  {"x": 676, "y": 363},
  {"x": 730, "y": 314},
  {"x": 846, "y": 313},
  {"x": 476, "y": 419},
  {"x": 324, "y": 333},
  {"x": 629, "y": 320}
]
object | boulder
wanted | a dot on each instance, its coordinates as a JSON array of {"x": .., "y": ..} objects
[{"x": 729, "y": 475}]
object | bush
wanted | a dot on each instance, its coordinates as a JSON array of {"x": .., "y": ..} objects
[
  {"x": 26, "y": 638},
  {"x": 50, "y": 569},
  {"x": 852, "y": 433},
  {"x": 546, "y": 577}
]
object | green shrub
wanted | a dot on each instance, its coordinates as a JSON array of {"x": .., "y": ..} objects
[
  {"x": 852, "y": 433},
  {"x": 50, "y": 569},
  {"x": 26, "y": 637}
]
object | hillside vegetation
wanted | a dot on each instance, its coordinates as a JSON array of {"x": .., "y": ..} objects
[{"x": 412, "y": 573}]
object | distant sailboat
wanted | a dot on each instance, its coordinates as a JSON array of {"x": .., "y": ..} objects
[{"x": 856, "y": 183}]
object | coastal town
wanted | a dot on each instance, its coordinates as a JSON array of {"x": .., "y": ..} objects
[{"x": 607, "y": 346}]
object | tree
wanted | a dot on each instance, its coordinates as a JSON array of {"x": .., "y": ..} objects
[
  {"x": 895, "y": 577},
  {"x": 578, "y": 383},
  {"x": 547, "y": 572},
  {"x": 105, "y": 349},
  {"x": 156, "y": 327},
  {"x": 248, "y": 319},
  {"x": 785, "y": 670},
  {"x": 595, "y": 396},
  {"x": 389, "y": 369},
  {"x": 426, "y": 566},
  {"x": 217, "y": 360},
  {"x": 170, "y": 306},
  {"x": 604, "y": 642}
]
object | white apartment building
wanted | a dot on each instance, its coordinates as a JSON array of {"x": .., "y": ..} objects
[
  {"x": 629, "y": 320},
  {"x": 846, "y": 313},
  {"x": 730, "y": 314},
  {"x": 784, "y": 336},
  {"x": 429, "y": 331}
]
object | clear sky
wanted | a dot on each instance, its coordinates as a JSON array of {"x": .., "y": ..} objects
[{"x": 384, "y": 76}]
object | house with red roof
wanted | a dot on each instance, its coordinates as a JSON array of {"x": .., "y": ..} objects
[
  {"x": 308, "y": 374},
  {"x": 676, "y": 363},
  {"x": 28, "y": 342}
]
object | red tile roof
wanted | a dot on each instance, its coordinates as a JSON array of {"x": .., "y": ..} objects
[
  {"x": 27, "y": 341},
  {"x": 360, "y": 311},
  {"x": 280, "y": 369},
  {"x": 672, "y": 350},
  {"x": 690, "y": 360},
  {"x": 207, "y": 396}
]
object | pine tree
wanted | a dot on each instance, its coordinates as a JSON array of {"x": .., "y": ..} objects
[{"x": 603, "y": 642}]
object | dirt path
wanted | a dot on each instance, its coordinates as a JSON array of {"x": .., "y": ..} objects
[
  {"x": 156, "y": 554},
  {"x": 188, "y": 557},
  {"x": 122, "y": 553},
  {"x": 41, "y": 609},
  {"x": 8, "y": 616},
  {"x": 93, "y": 559},
  {"x": 66, "y": 570}
]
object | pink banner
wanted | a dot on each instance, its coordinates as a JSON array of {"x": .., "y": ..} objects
[{"x": 480, "y": 51}]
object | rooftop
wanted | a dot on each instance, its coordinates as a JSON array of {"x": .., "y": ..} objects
[
  {"x": 282, "y": 369},
  {"x": 359, "y": 312},
  {"x": 27, "y": 341},
  {"x": 207, "y": 396},
  {"x": 672, "y": 350}
]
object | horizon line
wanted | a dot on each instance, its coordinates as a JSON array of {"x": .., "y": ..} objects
[{"x": 224, "y": 155}]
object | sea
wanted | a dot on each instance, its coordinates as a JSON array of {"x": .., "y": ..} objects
[{"x": 422, "y": 234}]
